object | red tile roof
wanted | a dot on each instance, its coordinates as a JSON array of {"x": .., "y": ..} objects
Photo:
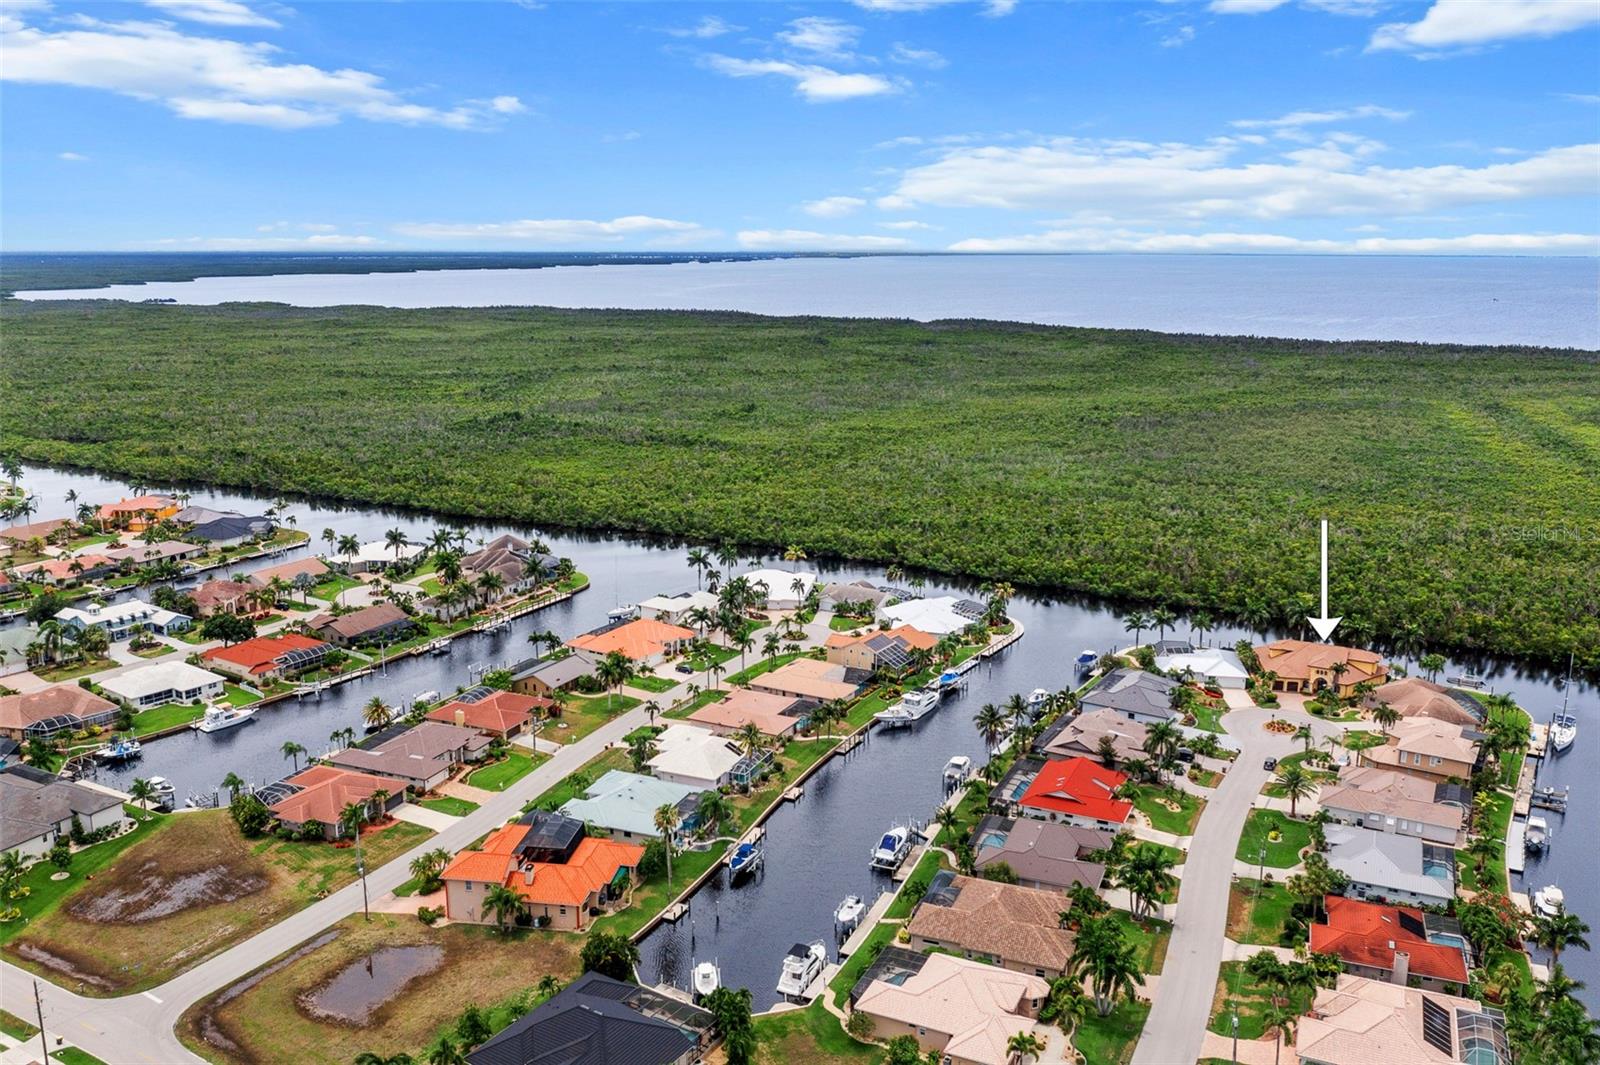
[
  {"x": 1366, "y": 933},
  {"x": 258, "y": 655},
  {"x": 136, "y": 505},
  {"x": 1078, "y": 787},
  {"x": 639, "y": 639},
  {"x": 498, "y": 713},
  {"x": 593, "y": 864},
  {"x": 326, "y": 791}
]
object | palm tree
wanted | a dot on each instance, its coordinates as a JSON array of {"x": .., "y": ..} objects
[
  {"x": 666, "y": 821},
  {"x": 503, "y": 904},
  {"x": 142, "y": 791},
  {"x": 699, "y": 561},
  {"x": 1558, "y": 932},
  {"x": 490, "y": 584},
  {"x": 794, "y": 553},
  {"x": 293, "y": 750},
  {"x": 614, "y": 670},
  {"x": 234, "y": 783},
  {"x": 751, "y": 738},
  {"x": 1107, "y": 750},
  {"x": 714, "y": 809},
  {"x": 1024, "y": 1045},
  {"x": 1296, "y": 784},
  {"x": 377, "y": 714},
  {"x": 990, "y": 722},
  {"x": 1162, "y": 618},
  {"x": 1147, "y": 875},
  {"x": 1161, "y": 742},
  {"x": 445, "y": 1052},
  {"x": 330, "y": 538},
  {"x": 1111, "y": 966},
  {"x": 394, "y": 540},
  {"x": 1280, "y": 1020},
  {"x": 1136, "y": 622}
]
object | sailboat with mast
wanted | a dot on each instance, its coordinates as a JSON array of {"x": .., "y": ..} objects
[{"x": 1564, "y": 725}]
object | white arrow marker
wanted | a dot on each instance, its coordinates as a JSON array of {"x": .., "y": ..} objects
[{"x": 1324, "y": 624}]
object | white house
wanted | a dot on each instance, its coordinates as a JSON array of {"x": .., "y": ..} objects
[
  {"x": 783, "y": 593},
  {"x": 674, "y": 609},
  {"x": 694, "y": 757},
  {"x": 37, "y": 808},
  {"x": 938, "y": 616},
  {"x": 378, "y": 555},
  {"x": 1213, "y": 667},
  {"x": 160, "y": 683},
  {"x": 118, "y": 619},
  {"x": 1395, "y": 868}
]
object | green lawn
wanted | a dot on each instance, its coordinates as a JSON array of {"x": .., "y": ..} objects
[
  {"x": 16, "y": 1027},
  {"x": 881, "y": 935},
  {"x": 715, "y": 655},
  {"x": 75, "y": 1056},
  {"x": 1151, "y": 800},
  {"x": 582, "y": 715},
  {"x": 840, "y": 623},
  {"x": 1149, "y": 939},
  {"x": 72, "y": 670},
  {"x": 1237, "y": 988},
  {"x": 1496, "y": 822},
  {"x": 1110, "y": 1040},
  {"x": 705, "y": 698},
  {"x": 766, "y": 665},
  {"x": 44, "y": 894},
  {"x": 330, "y": 588},
  {"x": 160, "y": 650},
  {"x": 652, "y": 683},
  {"x": 574, "y": 783},
  {"x": 449, "y": 804},
  {"x": 911, "y": 891},
  {"x": 1257, "y": 912},
  {"x": 504, "y": 773},
  {"x": 811, "y": 1036},
  {"x": 1209, "y": 717},
  {"x": 653, "y": 896},
  {"x": 234, "y": 695},
  {"x": 1360, "y": 740},
  {"x": 159, "y": 718},
  {"x": 1280, "y": 854}
]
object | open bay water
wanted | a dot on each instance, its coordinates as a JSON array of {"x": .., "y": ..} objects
[
  {"x": 816, "y": 851},
  {"x": 1548, "y": 302}
]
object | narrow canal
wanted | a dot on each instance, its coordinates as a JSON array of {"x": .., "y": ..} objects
[{"x": 817, "y": 849}]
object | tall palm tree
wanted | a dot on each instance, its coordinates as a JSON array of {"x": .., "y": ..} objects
[
  {"x": 1558, "y": 932},
  {"x": 751, "y": 738},
  {"x": 1136, "y": 622},
  {"x": 1297, "y": 784},
  {"x": 666, "y": 822},
  {"x": 293, "y": 751},
  {"x": 1024, "y": 1045},
  {"x": 490, "y": 584},
  {"x": 377, "y": 714},
  {"x": 503, "y": 904},
  {"x": 234, "y": 783},
  {"x": 1386, "y": 716},
  {"x": 1016, "y": 709},
  {"x": 1147, "y": 875},
  {"x": 1111, "y": 966},
  {"x": 614, "y": 670},
  {"x": 395, "y": 539},
  {"x": 794, "y": 553},
  {"x": 142, "y": 791},
  {"x": 745, "y": 643},
  {"x": 699, "y": 561},
  {"x": 1280, "y": 1020},
  {"x": 990, "y": 722},
  {"x": 1162, "y": 618}
]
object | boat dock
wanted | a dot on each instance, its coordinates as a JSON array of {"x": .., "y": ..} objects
[
  {"x": 1548, "y": 798},
  {"x": 795, "y": 794},
  {"x": 1516, "y": 845},
  {"x": 1001, "y": 643},
  {"x": 1538, "y": 740},
  {"x": 672, "y": 914}
]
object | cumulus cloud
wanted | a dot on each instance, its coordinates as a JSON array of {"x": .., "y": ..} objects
[
  {"x": 1135, "y": 241},
  {"x": 212, "y": 12},
  {"x": 828, "y": 37},
  {"x": 990, "y": 8},
  {"x": 707, "y": 28},
  {"x": 555, "y": 230},
  {"x": 1261, "y": 7},
  {"x": 1208, "y": 180},
  {"x": 1295, "y": 120},
  {"x": 817, "y": 84},
  {"x": 1178, "y": 37},
  {"x": 906, "y": 55},
  {"x": 219, "y": 80},
  {"x": 1464, "y": 24},
  {"x": 314, "y": 242},
  {"x": 1245, "y": 7},
  {"x": 808, "y": 240},
  {"x": 906, "y": 224},
  {"x": 833, "y": 206}
]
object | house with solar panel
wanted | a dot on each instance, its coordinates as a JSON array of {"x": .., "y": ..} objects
[
  {"x": 596, "y": 1020},
  {"x": 1360, "y": 1021}
]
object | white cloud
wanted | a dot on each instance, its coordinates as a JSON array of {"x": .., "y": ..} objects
[
  {"x": 1580, "y": 97},
  {"x": 1260, "y": 7},
  {"x": 1197, "y": 181},
  {"x": 991, "y": 8},
  {"x": 999, "y": 8},
  {"x": 828, "y": 37},
  {"x": 1135, "y": 241},
  {"x": 303, "y": 227},
  {"x": 1459, "y": 24},
  {"x": 905, "y": 225},
  {"x": 817, "y": 84},
  {"x": 833, "y": 206},
  {"x": 906, "y": 55},
  {"x": 313, "y": 242},
  {"x": 507, "y": 105},
  {"x": 1245, "y": 7},
  {"x": 217, "y": 79},
  {"x": 1299, "y": 119},
  {"x": 554, "y": 230},
  {"x": 212, "y": 12},
  {"x": 808, "y": 240},
  {"x": 707, "y": 28},
  {"x": 73, "y": 157},
  {"x": 1178, "y": 37}
]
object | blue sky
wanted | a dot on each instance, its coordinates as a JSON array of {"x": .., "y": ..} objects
[{"x": 1446, "y": 126}]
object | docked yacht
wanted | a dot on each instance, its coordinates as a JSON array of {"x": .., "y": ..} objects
[
  {"x": 426, "y": 698},
  {"x": 949, "y": 679},
  {"x": 1549, "y": 900},
  {"x": 1536, "y": 835},
  {"x": 957, "y": 770},
  {"x": 218, "y": 718},
  {"x": 163, "y": 792},
  {"x": 892, "y": 848},
  {"x": 118, "y": 751},
  {"x": 911, "y": 708},
  {"x": 1086, "y": 660},
  {"x": 707, "y": 978},
  {"x": 801, "y": 967},
  {"x": 848, "y": 915},
  {"x": 439, "y": 647},
  {"x": 746, "y": 860},
  {"x": 1038, "y": 700},
  {"x": 625, "y": 612},
  {"x": 1564, "y": 726}
]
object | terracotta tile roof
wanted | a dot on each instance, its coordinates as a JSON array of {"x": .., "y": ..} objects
[
  {"x": 498, "y": 713},
  {"x": 1078, "y": 787},
  {"x": 136, "y": 505},
  {"x": 913, "y": 638},
  {"x": 19, "y": 711},
  {"x": 1415, "y": 697},
  {"x": 216, "y": 593},
  {"x": 261, "y": 653},
  {"x": 809, "y": 677},
  {"x": 62, "y": 568},
  {"x": 358, "y": 623},
  {"x": 1430, "y": 736},
  {"x": 313, "y": 567},
  {"x": 326, "y": 792},
  {"x": 639, "y": 639},
  {"x": 978, "y": 1006},
  {"x": 1361, "y": 1021},
  {"x": 1371, "y": 790},
  {"x": 1300, "y": 659},
  {"x": 21, "y": 534},
  {"x": 743, "y": 706},
  {"x": 592, "y": 866},
  {"x": 1015, "y": 924},
  {"x": 1366, "y": 933}
]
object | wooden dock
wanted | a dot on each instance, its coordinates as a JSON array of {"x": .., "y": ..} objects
[
  {"x": 672, "y": 914},
  {"x": 795, "y": 794}
]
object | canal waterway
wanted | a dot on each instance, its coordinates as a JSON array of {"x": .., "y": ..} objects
[{"x": 817, "y": 849}]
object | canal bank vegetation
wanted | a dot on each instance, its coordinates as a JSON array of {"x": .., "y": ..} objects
[{"x": 1184, "y": 471}]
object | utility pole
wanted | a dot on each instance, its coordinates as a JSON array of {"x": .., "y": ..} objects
[{"x": 38, "y": 1006}]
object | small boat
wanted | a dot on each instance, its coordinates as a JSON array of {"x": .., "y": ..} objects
[
  {"x": 1086, "y": 660},
  {"x": 707, "y": 978},
  {"x": 625, "y": 612},
  {"x": 911, "y": 708},
  {"x": 1537, "y": 834},
  {"x": 801, "y": 967},
  {"x": 1549, "y": 900},
  {"x": 849, "y": 912},
  {"x": 164, "y": 792},
  {"x": 119, "y": 751},
  {"x": 746, "y": 859},
  {"x": 1469, "y": 680},
  {"x": 1037, "y": 700},
  {"x": 957, "y": 769},
  {"x": 891, "y": 849},
  {"x": 949, "y": 679},
  {"x": 218, "y": 718},
  {"x": 425, "y": 698},
  {"x": 439, "y": 647}
]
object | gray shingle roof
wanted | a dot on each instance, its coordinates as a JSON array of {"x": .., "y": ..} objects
[{"x": 1133, "y": 691}]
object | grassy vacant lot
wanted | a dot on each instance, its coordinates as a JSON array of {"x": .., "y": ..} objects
[
  {"x": 811, "y": 1036},
  {"x": 507, "y": 771},
  {"x": 582, "y": 716},
  {"x": 45, "y": 894},
  {"x": 269, "y": 1021},
  {"x": 1282, "y": 853},
  {"x": 1110, "y": 1040},
  {"x": 189, "y": 888},
  {"x": 1235, "y": 987},
  {"x": 1169, "y": 809},
  {"x": 1256, "y": 912},
  {"x": 1189, "y": 470}
]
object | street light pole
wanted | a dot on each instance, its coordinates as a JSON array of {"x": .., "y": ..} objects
[
  {"x": 1235, "y": 1018},
  {"x": 38, "y": 1006}
]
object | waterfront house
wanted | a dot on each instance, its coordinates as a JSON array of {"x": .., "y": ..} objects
[
  {"x": 377, "y": 556},
  {"x": 938, "y": 616},
  {"x": 1308, "y": 668},
  {"x": 775, "y": 715},
  {"x": 963, "y": 1011},
  {"x": 312, "y": 568},
  {"x": 645, "y": 641},
  {"x": 497, "y": 714},
  {"x": 696, "y": 757},
  {"x": 1426, "y": 747},
  {"x": 811, "y": 678},
  {"x": 1080, "y": 736},
  {"x": 675, "y": 609},
  {"x": 1414, "y": 697},
  {"x": 1388, "y": 801},
  {"x": 321, "y": 793},
  {"x": 837, "y": 594},
  {"x": 268, "y": 658},
  {"x": 231, "y": 530},
  {"x": 888, "y": 650},
  {"x": 163, "y": 682},
  {"x": 117, "y": 620},
  {"x": 1360, "y": 1021},
  {"x": 143, "y": 554},
  {"x": 1399, "y": 944},
  {"x": 624, "y": 805},
  {"x": 136, "y": 514},
  {"x": 1390, "y": 867},
  {"x": 379, "y": 623},
  {"x": 56, "y": 709},
  {"x": 38, "y": 808},
  {"x": 1045, "y": 855},
  {"x": 1136, "y": 695},
  {"x": 422, "y": 756},
  {"x": 1014, "y": 927},
  {"x": 68, "y": 569},
  {"x": 546, "y": 676},
  {"x": 596, "y": 1020},
  {"x": 227, "y": 597},
  {"x": 785, "y": 589},
  {"x": 1077, "y": 791},
  {"x": 39, "y": 530},
  {"x": 512, "y": 559},
  {"x": 550, "y": 861},
  {"x": 1213, "y": 667}
]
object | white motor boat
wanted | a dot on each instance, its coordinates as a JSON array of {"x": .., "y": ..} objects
[
  {"x": 912, "y": 707},
  {"x": 1536, "y": 834},
  {"x": 425, "y": 698},
  {"x": 1037, "y": 700},
  {"x": 707, "y": 978},
  {"x": 117, "y": 751},
  {"x": 164, "y": 792},
  {"x": 957, "y": 769},
  {"x": 625, "y": 612},
  {"x": 218, "y": 718},
  {"x": 891, "y": 849},
  {"x": 439, "y": 647},
  {"x": 801, "y": 967},
  {"x": 848, "y": 915},
  {"x": 1549, "y": 900}
]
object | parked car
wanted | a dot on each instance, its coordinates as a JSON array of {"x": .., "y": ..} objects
[
  {"x": 684, "y": 667},
  {"x": 1270, "y": 764}
]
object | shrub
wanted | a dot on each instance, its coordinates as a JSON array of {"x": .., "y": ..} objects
[{"x": 428, "y": 914}]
